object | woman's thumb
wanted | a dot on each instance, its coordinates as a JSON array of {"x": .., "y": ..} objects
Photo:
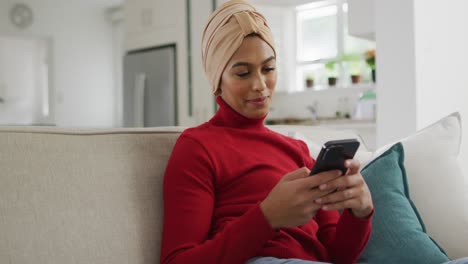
[{"x": 297, "y": 174}]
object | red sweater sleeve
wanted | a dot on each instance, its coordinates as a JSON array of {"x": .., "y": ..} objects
[
  {"x": 344, "y": 236},
  {"x": 189, "y": 194}
]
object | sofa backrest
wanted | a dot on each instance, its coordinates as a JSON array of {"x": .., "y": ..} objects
[
  {"x": 82, "y": 196},
  {"x": 91, "y": 196}
]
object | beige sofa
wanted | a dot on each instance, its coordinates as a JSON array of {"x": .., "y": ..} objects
[{"x": 88, "y": 195}]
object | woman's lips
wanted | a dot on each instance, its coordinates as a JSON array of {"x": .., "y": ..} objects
[{"x": 261, "y": 101}]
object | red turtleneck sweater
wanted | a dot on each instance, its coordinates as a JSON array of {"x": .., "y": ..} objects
[{"x": 216, "y": 177}]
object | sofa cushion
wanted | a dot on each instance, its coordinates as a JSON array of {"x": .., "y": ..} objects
[
  {"x": 82, "y": 196},
  {"x": 398, "y": 234}
]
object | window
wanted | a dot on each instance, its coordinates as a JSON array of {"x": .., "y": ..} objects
[{"x": 324, "y": 47}]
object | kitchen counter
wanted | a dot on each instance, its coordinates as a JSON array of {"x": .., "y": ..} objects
[{"x": 365, "y": 128}]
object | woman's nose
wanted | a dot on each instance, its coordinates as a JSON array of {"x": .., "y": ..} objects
[{"x": 259, "y": 83}]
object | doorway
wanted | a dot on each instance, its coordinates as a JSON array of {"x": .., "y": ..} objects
[{"x": 26, "y": 94}]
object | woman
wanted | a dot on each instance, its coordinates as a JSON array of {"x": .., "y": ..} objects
[{"x": 237, "y": 192}]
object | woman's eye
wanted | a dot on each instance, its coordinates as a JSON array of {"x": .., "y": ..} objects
[
  {"x": 269, "y": 69},
  {"x": 243, "y": 74}
]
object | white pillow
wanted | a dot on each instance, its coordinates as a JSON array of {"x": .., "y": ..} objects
[{"x": 436, "y": 182}]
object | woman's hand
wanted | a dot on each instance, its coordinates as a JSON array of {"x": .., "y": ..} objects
[
  {"x": 291, "y": 202},
  {"x": 351, "y": 192}
]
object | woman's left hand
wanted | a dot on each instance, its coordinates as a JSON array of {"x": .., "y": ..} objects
[{"x": 351, "y": 192}]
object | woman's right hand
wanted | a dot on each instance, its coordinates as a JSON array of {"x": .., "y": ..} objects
[{"x": 291, "y": 202}]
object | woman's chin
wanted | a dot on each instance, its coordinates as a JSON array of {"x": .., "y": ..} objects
[{"x": 257, "y": 113}]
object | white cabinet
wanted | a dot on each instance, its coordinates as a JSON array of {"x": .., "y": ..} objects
[{"x": 361, "y": 18}]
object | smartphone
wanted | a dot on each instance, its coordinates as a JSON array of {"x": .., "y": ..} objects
[{"x": 333, "y": 155}]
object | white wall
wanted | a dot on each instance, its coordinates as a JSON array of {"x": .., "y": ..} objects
[
  {"x": 203, "y": 98},
  {"x": 421, "y": 66},
  {"x": 396, "y": 95},
  {"x": 441, "y": 42},
  {"x": 82, "y": 58}
]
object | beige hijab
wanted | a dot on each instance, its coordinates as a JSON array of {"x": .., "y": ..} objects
[{"x": 226, "y": 29}]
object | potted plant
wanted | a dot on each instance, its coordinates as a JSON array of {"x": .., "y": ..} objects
[
  {"x": 353, "y": 62},
  {"x": 332, "y": 75},
  {"x": 354, "y": 70},
  {"x": 309, "y": 80},
  {"x": 370, "y": 60}
]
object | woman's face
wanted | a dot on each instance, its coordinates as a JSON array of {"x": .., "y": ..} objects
[{"x": 249, "y": 79}]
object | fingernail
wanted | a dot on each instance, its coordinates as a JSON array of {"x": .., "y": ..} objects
[
  {"x": 325, "y": 208},
  {"x": 323, "y": 187},
  {"x": 318, "y": 200}
]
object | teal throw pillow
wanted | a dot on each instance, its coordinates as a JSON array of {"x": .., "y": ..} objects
[{"x": 398, "y": 233}]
